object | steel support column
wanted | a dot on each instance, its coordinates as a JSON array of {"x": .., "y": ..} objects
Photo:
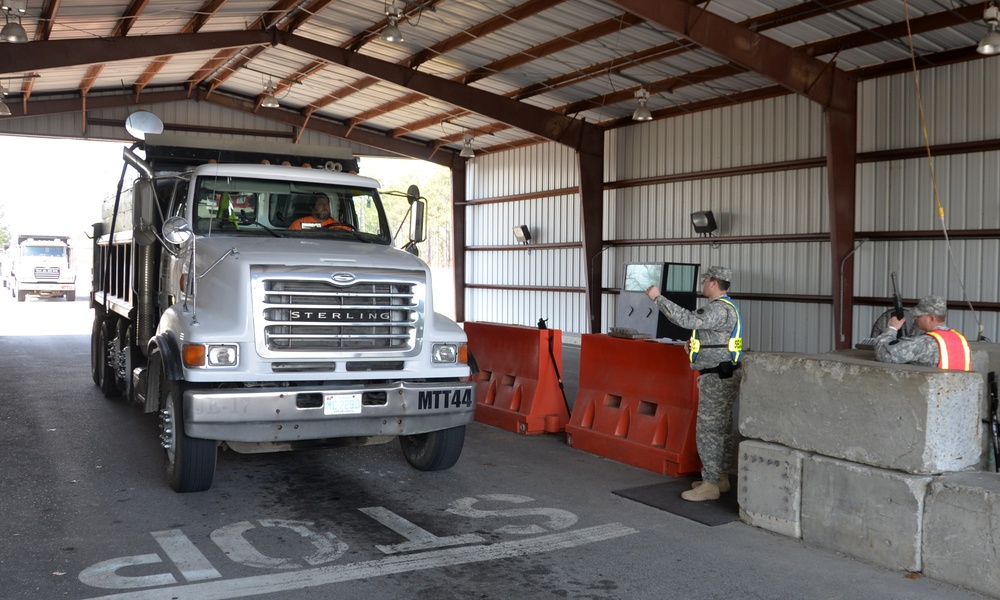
[
  {"x": 841, "y": 170},
  {"x": 592, "y": 227},
  {"x": 458, "y": 237}
]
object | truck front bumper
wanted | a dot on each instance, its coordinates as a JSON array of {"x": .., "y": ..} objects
[
  {"x": 290, "y": 414},
  {"x": 37, "y": 288}
]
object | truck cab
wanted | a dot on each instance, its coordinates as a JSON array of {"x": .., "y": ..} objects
[
  {"x": 247, "y": 322},
  {"x": 40, "y": 265}
]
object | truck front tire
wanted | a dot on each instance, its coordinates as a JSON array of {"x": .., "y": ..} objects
[
  {"x": 190, "y": 462},
  {"x": 434, "y": 451}
]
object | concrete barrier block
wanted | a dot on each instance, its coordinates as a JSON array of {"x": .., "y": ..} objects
[
  {"x": 872, "y": 514},
  {"x": 913, "y": 419},
  {"x": 961, "y": 539},
  {"x": 770, "y": 487}
]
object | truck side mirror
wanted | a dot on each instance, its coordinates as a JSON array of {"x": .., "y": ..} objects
[
  {"x": 418, "y": 226},
  {"x": 177, "y": 230}
]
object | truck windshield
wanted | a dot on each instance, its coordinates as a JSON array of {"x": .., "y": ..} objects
[
  {"x": 49, "y": 251},
  {"x": 248, "y": 206}
]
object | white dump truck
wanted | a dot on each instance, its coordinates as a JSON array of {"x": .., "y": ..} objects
[
  {"x": 40, "y": 265},
  {"x": 246, "y": 332}
]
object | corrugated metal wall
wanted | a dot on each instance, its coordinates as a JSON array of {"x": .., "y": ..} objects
[{"x": 893, "y": 195}]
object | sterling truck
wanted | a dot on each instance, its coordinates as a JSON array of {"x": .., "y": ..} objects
[
  {"x": 244, "y": 333},
  {"x": 40, "y": 265}
]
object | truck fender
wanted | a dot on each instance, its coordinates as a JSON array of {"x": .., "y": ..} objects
[{"x": 170, "y": 354}]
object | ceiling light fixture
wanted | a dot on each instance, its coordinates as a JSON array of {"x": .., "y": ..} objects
[
  {"x": 642, "y": 113},
  {"x": 391, "y": 33},
  {"x": 990, "y": 44},
  {"x": 269, "y": 100},
  {"x": 467, "y": 151},
  {"x": 13, "y": 31}
]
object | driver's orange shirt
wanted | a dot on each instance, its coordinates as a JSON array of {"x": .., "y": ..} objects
[{"x": 311, "y": 222}]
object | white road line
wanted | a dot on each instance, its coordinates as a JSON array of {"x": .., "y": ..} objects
[
  {"x": 418, "y": 538},
  {"x": 281, "y": 582}
]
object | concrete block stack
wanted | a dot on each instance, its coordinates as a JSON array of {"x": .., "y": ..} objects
[{"x": 877, "y": 461}]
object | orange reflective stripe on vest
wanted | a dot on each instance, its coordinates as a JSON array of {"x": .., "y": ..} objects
[{"x": 954, "y": 350}]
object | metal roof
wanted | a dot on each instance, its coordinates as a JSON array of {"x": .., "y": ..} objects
[{"x": 543, "y": 64}]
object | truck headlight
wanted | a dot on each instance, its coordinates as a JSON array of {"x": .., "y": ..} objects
[
  {"x": 449, "y": 353},
  {"x": 211, "y": 355}
]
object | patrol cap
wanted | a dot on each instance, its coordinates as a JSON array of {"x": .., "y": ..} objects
[
  {"x": 930, "y": 305},
  {"x": 720, "y": 273}
]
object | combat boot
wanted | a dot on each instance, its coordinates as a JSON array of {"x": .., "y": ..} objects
[
  {"x": 706, "y": 491},
  {"x": 723, "y": 484}
]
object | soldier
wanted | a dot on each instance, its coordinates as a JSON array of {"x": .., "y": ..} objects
[
  {"x": 714, "y": 349},
  {"x": 939, "y": 346}
]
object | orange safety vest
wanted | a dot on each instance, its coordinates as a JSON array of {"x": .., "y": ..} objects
[{"x": 954, "y": 350}]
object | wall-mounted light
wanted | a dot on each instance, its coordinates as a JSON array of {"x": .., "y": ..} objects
[
  {"x": 4, "y": 109},
  {"x": 704, "y": 222},
  {"x": 990, "y": 44},
  {"x": 522, "y": 234},
  {"x": 641, "y": 112}
]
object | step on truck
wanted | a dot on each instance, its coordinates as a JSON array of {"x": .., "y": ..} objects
[
  {"x": 244, "y": 331},
  {"x": 40, "y": 265}
]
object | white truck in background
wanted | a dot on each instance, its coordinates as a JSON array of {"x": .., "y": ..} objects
[
  {"x": 246, "y": 334},
  {"x": 40, "y": 265}
]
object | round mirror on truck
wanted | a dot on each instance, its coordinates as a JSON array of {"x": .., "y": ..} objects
[
  {"x": 412, "y": 194},
  {"x": 141, "y": 123},
  {"x": 177, "y": 230}
]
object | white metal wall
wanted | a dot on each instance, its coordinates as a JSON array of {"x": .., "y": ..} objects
[
  {"x": 899, "y": 195},
  {"x": 893, "y": 195}
]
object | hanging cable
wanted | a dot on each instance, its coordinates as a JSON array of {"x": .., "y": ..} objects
[{"x": 930, "y": 162}]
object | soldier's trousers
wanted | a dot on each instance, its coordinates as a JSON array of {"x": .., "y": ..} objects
[{"x": 714, "y": 428}]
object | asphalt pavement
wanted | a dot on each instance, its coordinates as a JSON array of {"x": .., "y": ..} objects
[{"x": 86, "y": 512}]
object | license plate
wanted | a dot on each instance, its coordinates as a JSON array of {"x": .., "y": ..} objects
[{"x": 342, "y": 404}]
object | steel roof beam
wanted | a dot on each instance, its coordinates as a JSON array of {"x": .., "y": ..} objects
[{"x": 53, "y": 54}]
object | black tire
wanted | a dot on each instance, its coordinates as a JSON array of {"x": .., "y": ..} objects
[
  {"x": 95, "y": 359},
  {"x": 434, "y": 451},
  {"x": 71, "y": 296},
  {"x": 21, "y": 296},
  {"x": 125, "y": 345},
  {"x": 189, "y": 462},
  {"x": 105, "y": 373}
]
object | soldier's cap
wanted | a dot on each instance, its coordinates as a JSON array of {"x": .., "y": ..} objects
[
  {"x": 720, "y": 273},
  {"x": 930, "y": 305}
]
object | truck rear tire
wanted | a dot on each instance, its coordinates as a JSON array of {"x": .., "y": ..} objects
[
  {"x": 105, "y": 374},
  {"x": 434, "y": 451},
  {"x": 190, "y": 462},
  {"x": 95, "y": 355}
]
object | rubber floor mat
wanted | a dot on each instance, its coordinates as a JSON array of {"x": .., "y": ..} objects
[{"x": 667, "y": 496}]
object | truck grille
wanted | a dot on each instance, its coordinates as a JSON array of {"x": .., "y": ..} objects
[
  {"x": 302, "y": 315},
  {"x": 43, "y": 273}
]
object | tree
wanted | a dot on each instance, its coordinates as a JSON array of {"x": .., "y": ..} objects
[
  {"x": 4, "y": 231},
  {"x": 397, "y": 175}
]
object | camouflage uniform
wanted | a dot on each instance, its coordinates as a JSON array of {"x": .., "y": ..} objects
[
  {"x": 922, "y": 349},
  {"x": 714, "y": 429},
  {"x": 919, "y": 350}
]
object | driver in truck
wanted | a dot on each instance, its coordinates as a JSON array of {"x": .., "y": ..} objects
[{"x": 319, "y": 218}]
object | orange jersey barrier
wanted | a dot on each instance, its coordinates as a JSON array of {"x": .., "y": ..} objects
[
  {"x": 637, "y": 404},
  {"x": 517, "y": 387}
]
